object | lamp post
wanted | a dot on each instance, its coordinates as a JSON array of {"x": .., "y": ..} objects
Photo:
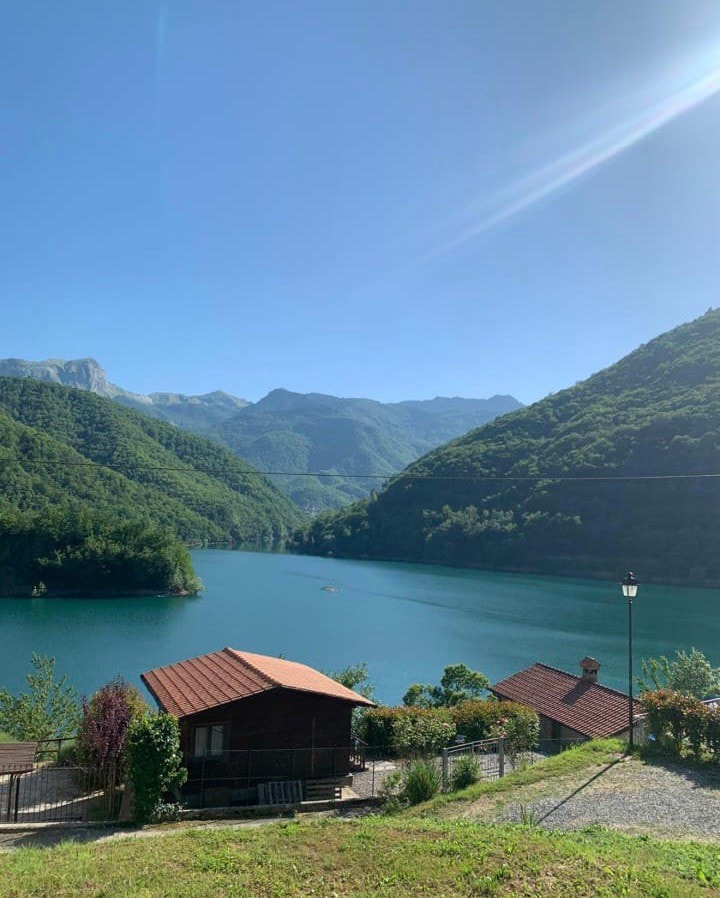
[{"x": 630, "y": 588}]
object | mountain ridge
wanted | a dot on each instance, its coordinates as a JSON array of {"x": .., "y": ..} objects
[
  {"x": 494, "y": 497},
  {"x": 297, "y": 432}
]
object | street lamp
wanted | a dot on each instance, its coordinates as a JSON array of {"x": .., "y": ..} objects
[{"x": 630, "y": 588}]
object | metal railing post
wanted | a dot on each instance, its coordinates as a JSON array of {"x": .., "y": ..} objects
[
  {"x": 17, "y": 798},
  {"x": 445, "y": 766},
  {"x": 501, "y": 757}
]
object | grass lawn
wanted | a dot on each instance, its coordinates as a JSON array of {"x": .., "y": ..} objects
[
  {"x": 423, "y": 852},
  {"x": 587, "y": 757},
  {"x": 370, "y": 857}
]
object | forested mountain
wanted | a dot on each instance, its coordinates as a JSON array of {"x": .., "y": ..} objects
[
  {"x": 296, "y": 432},
  {"x": 52, "y": 438},
  {"x": 313, "y": 432},
  {"x": 195, "y": 413},
  {"x": 654, "y": 413}
]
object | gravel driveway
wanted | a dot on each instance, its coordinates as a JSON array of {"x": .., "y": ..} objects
[{"x": 628, "y": 795}]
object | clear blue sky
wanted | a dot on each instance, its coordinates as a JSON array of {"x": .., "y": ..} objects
[{"x": 389, "y": 199}]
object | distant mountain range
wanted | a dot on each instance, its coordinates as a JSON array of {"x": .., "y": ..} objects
[
  {"x": 195, "y": 413},
  {"x": 317, "y": 433},
  {"x": 295, "y": 432},
  {"x": 591, "y": 481}
]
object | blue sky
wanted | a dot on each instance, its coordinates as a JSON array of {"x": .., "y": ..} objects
[{"x": 389, "y": 199}]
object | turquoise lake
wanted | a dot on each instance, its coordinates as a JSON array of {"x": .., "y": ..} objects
[{"x": 406, "y": 621}]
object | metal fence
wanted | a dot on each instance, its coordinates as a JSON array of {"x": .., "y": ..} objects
[
  {"x": 49, "y": 793},
  {"x": 487, "y": 754},
  {"x": 53, "y": 792},
  {"x": 237, "y": 777}
]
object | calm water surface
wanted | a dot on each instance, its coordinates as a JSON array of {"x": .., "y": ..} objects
[{"x": 406, "y": 621}]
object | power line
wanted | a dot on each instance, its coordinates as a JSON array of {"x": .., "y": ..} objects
[{"x": 480, "y": 478}]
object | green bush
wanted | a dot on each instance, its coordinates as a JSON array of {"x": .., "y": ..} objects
[
  {"x": 421, "y": 782},
  {"x": 408, "y": 732},
  {"x": 676, "y": 720},
  {"x": 153, "y": 753},
  {"x": 465, "y": 772},
  {"x": 520, "y": 726}
]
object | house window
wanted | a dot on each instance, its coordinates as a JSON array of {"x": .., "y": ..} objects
[{"x": 211, "y": 740}]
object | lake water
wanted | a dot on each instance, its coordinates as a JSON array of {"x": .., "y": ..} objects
[{"x": 406, "y": 621}]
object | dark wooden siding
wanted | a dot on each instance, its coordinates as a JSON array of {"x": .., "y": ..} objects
[{"x": 290, "y": 734}]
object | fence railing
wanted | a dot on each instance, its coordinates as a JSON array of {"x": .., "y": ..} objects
[
  {"x": 234, "y": 777},
  {"x": 52, "y": 791},
  {"x": 49, "y": 793},
  {"x": 488, "y": 755},
  {"x": 51, "y": 749}
]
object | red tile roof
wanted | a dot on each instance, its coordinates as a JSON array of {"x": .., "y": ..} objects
[
  {"x": 594, "y": 710},
  {"x": 218, "y": 678}
]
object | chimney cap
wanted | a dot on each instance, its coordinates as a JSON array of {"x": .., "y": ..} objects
[{"x": 589, "y": 663}]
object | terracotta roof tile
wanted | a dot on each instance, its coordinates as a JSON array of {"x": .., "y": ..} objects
[
  {"x": 592, "y": 709},
  {"x": 218, "y": 678}
]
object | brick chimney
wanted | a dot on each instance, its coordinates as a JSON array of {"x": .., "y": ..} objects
[{"x": 590, "y": 668}]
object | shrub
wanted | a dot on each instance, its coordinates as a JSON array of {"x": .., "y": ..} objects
[
  {"x": 673, "y": 719},
  {"x": 465, "y": 772},
  {"x": 712, "y": 733},
  {"x": 488, "y": 719},
  {"x": 521, "y": 729},
  {"x": 408, "y": 732},
  {"x": 107, "y": 716},
  {"x": 417, "y": 735},
  {"x": 390, "y": 792},
  {"x": 153, "y": 749},
  {"x": 421, "y": 781}
]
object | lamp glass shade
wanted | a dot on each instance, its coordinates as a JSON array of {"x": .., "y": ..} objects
[{"x": 630, "y": 586}]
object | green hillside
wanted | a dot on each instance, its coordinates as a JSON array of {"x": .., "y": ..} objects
[
  {"x": 313, "y": 432},
  {"x": 656, "y": 412},
  {"x": 53, "y": 437}
]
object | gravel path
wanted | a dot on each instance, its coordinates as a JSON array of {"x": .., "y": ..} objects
[{"x": 629, "y": 795}]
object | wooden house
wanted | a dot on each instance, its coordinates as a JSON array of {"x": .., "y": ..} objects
[{"x": 247, "y": 719}]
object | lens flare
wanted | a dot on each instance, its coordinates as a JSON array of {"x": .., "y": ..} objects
[{"x": 554, "y": 177}]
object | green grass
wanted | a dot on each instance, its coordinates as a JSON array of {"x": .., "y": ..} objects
[
  {"x": 403, "y": 855},
  {"x": 370, "y": 857},
  {"x": 585, "y": 756}
]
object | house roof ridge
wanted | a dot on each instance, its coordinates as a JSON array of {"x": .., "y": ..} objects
[
  {"x": 576, "y": 677},
  {"x": 241, "y": 656}
]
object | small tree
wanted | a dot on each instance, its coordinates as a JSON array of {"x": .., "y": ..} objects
[
  {"x": 49, "y": 710},
  {"x": 153, "y": 750},
  {"x": 355, "y": 676},
  {"x": 457, "y": 684},
  {"x": 106, "y": 720},
  {"x": 689, "y": 673}
]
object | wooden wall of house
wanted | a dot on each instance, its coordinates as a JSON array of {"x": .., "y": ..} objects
[{"x": 292, "y": 735}]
